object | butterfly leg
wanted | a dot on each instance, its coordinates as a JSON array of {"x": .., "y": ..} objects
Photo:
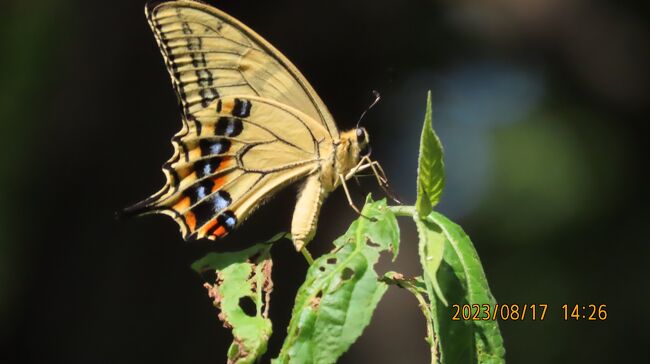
[
  {"x": 358, "y": 168},
  {"x": 350, "y": 202},
  {"x": 366, "y": 163},
  {"x": 383, "y": 181},
  {"x": 379, "y": 173}
]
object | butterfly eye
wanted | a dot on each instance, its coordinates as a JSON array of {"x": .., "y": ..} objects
[
  {"x": 365, "y": 150},
  {"x": 361, "y": 135}
]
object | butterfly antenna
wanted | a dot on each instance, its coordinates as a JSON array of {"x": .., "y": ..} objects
[{"x": 377, "y": 98}]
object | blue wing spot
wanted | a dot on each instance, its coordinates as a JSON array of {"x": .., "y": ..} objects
[
  {"x": 228, "y": 126},
  {"x": 199, "y": 191},
  {"x": 206, "y": 209},
  {"x": 242, "y": 108},
  {"x": 206, "y": 167},
  {"x": 228, "y": 220},
  {"x": 221, "y": 200},
  {"x": 215, "y": 146}
]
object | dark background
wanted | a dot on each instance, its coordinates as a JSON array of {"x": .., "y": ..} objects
[{"x": 541, "y": 106}]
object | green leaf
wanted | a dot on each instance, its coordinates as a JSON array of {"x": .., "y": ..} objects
[
  {"x": 431, "y": 167},
  {"x": 341, "y": 291},
  {"x": 219, "y": 261},
  {"x": 463, "y": 280},
  {"x": 431, "y": 248},
  {"x": 243, "y": 276}
]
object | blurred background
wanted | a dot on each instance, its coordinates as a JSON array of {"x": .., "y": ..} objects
[{"x": 541, "y": 106}]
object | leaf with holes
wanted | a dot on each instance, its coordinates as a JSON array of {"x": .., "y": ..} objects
[
  {"x": 463, "y": 280},
  {"x": 341, "y": 291},
  {"x": 242, "y": 292},
  {"x": 431, "y": 166}
]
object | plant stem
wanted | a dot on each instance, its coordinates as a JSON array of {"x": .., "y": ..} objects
[
  {"x": 307, "y": 255},
  {"x": 431, "y": 336},
  {"x": 408, "y": 284},
  {"x": 403, "y": 210}
]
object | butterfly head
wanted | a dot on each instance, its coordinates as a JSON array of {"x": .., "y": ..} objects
[
  {"x": 362, "y": 141},
  {"x": 353, "y": 155}
]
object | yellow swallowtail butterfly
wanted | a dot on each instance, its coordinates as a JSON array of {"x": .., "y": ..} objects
[{"x": 252, "y": 125}]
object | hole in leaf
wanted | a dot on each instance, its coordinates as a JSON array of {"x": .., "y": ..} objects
[
  {"x": 252, "y": 274},
  {"x": 347, "y": 274},
  {"x": 331, "y": 261},
  {"x": 384, "y": 264},
  {"x": 315, "y": 301},
  {"x": 210, "y": 275},
  {"x": 370, "y": 243},
  {"x": 248, "y": 306}
]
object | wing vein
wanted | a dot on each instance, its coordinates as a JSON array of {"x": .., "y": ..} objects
[{"x": 208, "y": 27}]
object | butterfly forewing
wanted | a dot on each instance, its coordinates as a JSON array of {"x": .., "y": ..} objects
[{"x": 210, "y": 55}]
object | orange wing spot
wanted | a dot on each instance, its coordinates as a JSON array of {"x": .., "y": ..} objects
[
  {"x": 218, "y": 183},
  {"x": 220, "y": 232},
  {"x": 182, "y": 204},
  {"x": 208, "y": 129},
  {"x": 221, "y": 180},
  {"x": 227, "y": 106},
  {"x": 209, "y": 225},
  {"x": 190, "y": 219}
]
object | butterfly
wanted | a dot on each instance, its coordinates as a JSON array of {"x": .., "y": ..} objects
[{"x": 252, "y": 125}]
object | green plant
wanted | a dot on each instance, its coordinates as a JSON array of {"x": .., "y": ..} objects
[{"x": 336, "y": 301}]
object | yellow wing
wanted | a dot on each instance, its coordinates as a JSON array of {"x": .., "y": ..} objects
[
  {"x": 251, "y": 122},
  {"x": 209, "y": 54}
]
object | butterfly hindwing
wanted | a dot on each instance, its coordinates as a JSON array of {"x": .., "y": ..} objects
[{"x": 227, "y": 162}]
